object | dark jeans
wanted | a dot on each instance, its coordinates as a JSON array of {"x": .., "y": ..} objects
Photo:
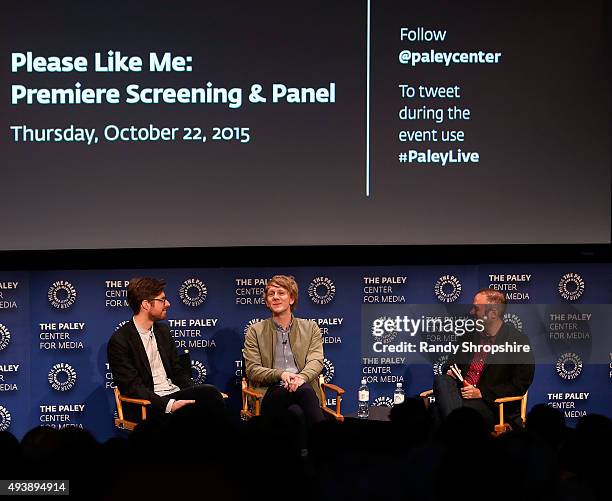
[
  {"x": 448, "y": 398},
  {"x": 278, "y": 400}
]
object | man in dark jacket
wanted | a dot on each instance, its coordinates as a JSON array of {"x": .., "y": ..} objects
[
  {"x": 143, "y": 358},
  {"x": 496, "y": 362}
]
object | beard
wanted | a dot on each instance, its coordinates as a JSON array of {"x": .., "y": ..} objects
[{"x": 156, "y": 317}]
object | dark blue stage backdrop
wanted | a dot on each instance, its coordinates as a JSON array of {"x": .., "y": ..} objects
[{"x": 54, "y": 327}]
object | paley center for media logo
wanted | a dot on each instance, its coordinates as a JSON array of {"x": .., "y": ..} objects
[
  {"x": 571, "y": 286},
  {"x": 321, "y": 290},
  {"x": 569, "y": 366},
  {"x": 447, "y": 288},
  {"x": 438, "y": 365},
  {"x": 193, "y": 292},
  {"x": 251, "y": 322},
  {"x": 515, "y": 320},
  {"x": 62, "y": 377},
  {"x": 62, "y": 294},
  {"x": 198, "y": 372},
  {"x": 5, "y": 337},
  {"x": 121, "y": 324},
  {"x": 5, "y": 418},
  {"x": 386, "y": 336},
  {"x": 328, "y": 370},
  {"x": 383, "y": 401}
]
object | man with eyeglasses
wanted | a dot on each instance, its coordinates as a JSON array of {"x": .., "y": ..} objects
[
  {"x": 143, "y": 358},
  {"x": 486, "y": 374}
]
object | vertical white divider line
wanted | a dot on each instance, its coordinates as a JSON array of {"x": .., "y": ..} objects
[{"x": 367, "y": 187}]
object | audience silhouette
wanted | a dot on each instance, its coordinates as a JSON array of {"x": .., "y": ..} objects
[{"x": 203, "y": 452}]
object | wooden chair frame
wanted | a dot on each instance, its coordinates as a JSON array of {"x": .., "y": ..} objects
[
  {"x": 336, "y": 414},
  {"x": 120, "y": 421},
  {"x": 248, "y": 411},
  {"x": 502, "y": 426}
]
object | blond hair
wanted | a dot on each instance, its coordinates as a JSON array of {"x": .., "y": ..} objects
[{"x": 288, "y": 283}]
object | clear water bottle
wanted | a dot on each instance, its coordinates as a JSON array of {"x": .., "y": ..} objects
[
  {"x": 398, "y": 395},
  {"x": 363, "y": 409}
]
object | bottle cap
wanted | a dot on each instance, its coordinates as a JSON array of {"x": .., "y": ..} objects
[{"x": 399, "y": 385}]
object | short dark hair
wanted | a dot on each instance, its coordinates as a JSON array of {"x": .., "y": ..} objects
[{"x": 141, "y": 288}]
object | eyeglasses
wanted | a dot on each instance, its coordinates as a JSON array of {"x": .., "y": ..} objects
[{"x": 164, "y": 300}]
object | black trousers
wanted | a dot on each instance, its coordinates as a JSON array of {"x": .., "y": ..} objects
[
  {"x": 278, "y": 400},
  {"x": 206, "y": 396},
  {"x": 448, "y": 398}
]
